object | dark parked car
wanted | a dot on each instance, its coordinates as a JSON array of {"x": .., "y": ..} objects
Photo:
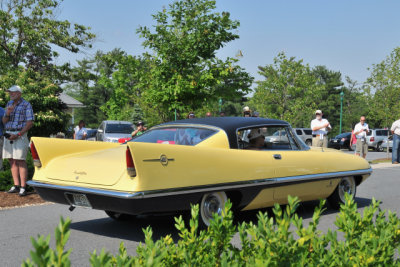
[{"x": 341, "y": 141}]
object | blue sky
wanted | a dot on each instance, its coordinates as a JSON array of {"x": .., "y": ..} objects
[{"x": 345, "y": 36}]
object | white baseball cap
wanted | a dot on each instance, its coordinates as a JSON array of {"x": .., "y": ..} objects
[
  {"x": 318, "y": 112},
  {"x": 246, "y": 109},
  {"x": 15, "y": 88}
]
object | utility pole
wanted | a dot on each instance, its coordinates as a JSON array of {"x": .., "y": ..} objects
[{"x": 341, "y": 111}]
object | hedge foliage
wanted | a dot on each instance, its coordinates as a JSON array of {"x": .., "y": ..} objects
[{"x": 369, "y": 239}]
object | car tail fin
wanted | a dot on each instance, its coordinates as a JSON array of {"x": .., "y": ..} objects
[
  {"x": 130, "y": 165},
  {"x": 35, "y": 156}
]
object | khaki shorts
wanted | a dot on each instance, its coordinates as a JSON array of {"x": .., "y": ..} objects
[
  {"x": 18, "y": 149},
  {"x": 361, "y": 147},
  {"x": 316, "y": 141}
]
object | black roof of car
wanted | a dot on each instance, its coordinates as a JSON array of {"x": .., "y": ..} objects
[{"x": 230, "y": 124}]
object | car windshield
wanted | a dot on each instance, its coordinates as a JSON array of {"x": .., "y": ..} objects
[
  {"x": 343, "y": 135},
  {"x": 91, "y": 133},
  {"x": 119, "y": 128},
  {"x": 189, "y": 136}
]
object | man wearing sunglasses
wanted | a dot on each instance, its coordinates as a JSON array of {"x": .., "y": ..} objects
[{"x": 360, "y": 130}]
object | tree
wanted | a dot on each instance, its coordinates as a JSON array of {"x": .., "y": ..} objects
[
  {"x": 29, "y": 29},
  {"x": 329, "y": 101},
  {"x": 184, "y": 72},
  {"x": 384, "y": 81},
  {"x": 289, "y": 92},
  {"x": 354, "y": 104}
]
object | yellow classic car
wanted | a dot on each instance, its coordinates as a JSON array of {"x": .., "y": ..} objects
[{"x": 203, "y": 161}]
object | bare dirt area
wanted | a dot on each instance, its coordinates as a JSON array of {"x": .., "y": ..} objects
[{"x": 14, "y": 200}]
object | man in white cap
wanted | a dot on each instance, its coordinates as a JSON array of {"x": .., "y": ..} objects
[
  {"x": 17, "y": 120},
  {"x": 320, "y": 128},
  {"x": 256, "y": 139},
  {"x": 246, "y": 112},
  {"x": 360, "y": 130}
]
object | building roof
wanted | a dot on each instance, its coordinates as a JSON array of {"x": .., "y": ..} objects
[{"x": 70, "y": 101}]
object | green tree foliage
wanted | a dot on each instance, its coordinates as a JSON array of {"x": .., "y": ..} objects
[
  {"x": 384, "y": 81},
  {"x": 290, "y": 91},
  {"x": 90, "y": 84},
  {"x": 355, "y": 104},
  {"x": 329, "y": 101},
  {"x": 184, "y": 71},
  {"x": 29, "y": 29},
  {"x": 368, "y": 239}
]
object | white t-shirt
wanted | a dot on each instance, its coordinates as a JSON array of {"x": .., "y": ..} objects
[
  {"x": 319, "y": 123},
  {"x": 396, "y": 127},
  {"x": 79, "y": 133},
  {"x": 358, "y": 128}
]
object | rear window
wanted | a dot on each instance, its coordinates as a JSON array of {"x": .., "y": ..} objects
[
  {"x": 308, "y": 132},
  {"x": 119, "y": 128},
  {"x": 383, "y": 133},
  {"x": 188, "y": 136},
  {"x": 299, "y": 132}
]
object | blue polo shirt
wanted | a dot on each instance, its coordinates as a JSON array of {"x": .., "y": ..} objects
[{"x": 2, "y": 112}]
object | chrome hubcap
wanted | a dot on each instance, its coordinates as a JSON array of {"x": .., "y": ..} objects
[
  {"x": 211, "y": 205},
  {"x": 346, "y": 186}
]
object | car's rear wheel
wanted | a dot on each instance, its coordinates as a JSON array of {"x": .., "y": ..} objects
[
  {"x": 308, "y": 142},
  {"x": 116, "y": 215},
  {"x": 379, "y": 147},
  {"x": 346, "y": 185},
  {"x": 212, "y": 203}
]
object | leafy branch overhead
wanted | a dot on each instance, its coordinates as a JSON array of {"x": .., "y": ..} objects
[
  {"x": 184, "y": 70},
  {"x": 29, "y": 29}
]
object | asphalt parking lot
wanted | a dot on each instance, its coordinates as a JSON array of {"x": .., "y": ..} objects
[{"x": 93, "y": 230}]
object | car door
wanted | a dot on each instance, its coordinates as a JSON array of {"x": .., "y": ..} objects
[
  {"x": 100, "y": 132},
  {"x": 163, "y": 163},
  {"x": 294, "y": 170}
]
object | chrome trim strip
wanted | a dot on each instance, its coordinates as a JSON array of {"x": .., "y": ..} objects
[{"x": 203, "y": 188}]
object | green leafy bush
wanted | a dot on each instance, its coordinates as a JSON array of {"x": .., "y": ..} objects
[{"x": 370, "y": 239}]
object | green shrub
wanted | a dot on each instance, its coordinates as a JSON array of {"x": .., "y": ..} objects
[
  {"x": 6, "y": 180},
  {"x": 370, "y": 239}
]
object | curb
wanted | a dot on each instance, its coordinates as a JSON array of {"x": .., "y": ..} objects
[{"x": 384, "y": 165}]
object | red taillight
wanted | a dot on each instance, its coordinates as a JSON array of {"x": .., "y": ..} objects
[
  {"x": 35, "y": 156},
  {"x": 130, "y": 166},
  {"x": 372, "y": 139}
]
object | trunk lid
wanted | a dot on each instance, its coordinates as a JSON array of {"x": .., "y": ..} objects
[{"x": 101, "y": 167}]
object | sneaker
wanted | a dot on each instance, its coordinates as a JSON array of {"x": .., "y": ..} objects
[
  {"x": 395, "y": 162},
  {"x": 14, "y": 189},
  {"x": 22, "y": 192}
]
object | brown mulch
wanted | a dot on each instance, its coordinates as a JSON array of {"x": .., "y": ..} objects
[{"x": 14, "y": 200}]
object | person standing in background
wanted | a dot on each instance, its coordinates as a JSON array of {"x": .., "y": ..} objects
[
  {"x": 360, "y": 130},
  {"x": 320, "y": 128},
  {"x": 395, "y": 129},
  {"x": 18, "y": 119},
  {"x": 2, "y": 112},
  {"x": 80, "y": 131}
]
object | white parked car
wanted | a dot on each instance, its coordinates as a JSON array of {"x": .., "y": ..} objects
[
  {"x": 111, "y": 131},
  {"x": 386, "y": 143}
]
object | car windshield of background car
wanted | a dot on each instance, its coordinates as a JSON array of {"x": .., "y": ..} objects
[
  {"x": 189, "y": 136},
  {"x": 119, "y": 128}
]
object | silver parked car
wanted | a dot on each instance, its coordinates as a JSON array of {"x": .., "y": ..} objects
[
  {"x": 387, "y": 142},
  {"x": 375, "y": 138},
  {"x": 305, "y": 134},
  {"x": 111, "y": 131}
]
